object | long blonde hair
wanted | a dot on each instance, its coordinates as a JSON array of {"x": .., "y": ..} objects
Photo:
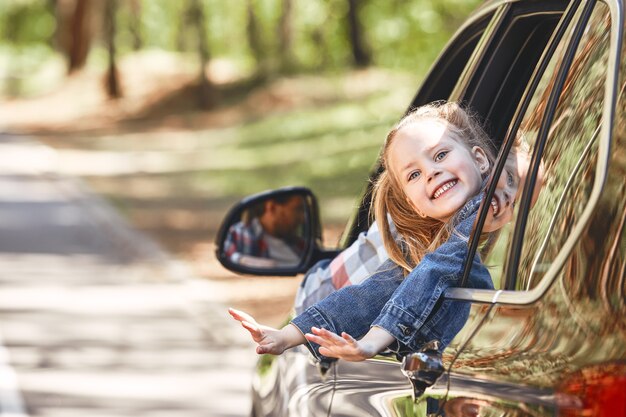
[{"x": 420, "y": 235}]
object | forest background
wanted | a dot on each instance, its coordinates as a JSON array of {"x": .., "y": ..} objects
[{"x": 174, "y": 110}]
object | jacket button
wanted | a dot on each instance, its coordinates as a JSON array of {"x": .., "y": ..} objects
[{"x": 405, "y": 330}]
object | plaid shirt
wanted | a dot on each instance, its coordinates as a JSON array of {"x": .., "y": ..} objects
[
  {"x": 352, "y": 266},
  {"x": 246, "y": 239}
]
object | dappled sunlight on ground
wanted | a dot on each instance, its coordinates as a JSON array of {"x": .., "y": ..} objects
[
  {"x": 96, "y": 319},
  {"x": 81, "y": 103},
  {"x": 173, "y": 170},
  {"x": 158, "y": 93},
  {"x": 119, "y": 343}
]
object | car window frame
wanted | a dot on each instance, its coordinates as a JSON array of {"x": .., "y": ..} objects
[{"x": 523, "y": 297}]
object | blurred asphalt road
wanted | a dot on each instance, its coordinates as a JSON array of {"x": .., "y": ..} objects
[{"x": 95, "y": 319}]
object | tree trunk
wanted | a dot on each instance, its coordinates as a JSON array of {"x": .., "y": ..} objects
[
  {"x": 361, "y": 55},
  {"x": 206, "y": 91},
  {"x": 135, "y": 26},
  {"x": 74, "y": 31},
  {"x": 318, "y": 39},
  {"x": 112, "y": 77},
  {"x": 181, "y": 30},
  {"x": 285, "y": 37},
  {"x": 254, "y": 41}
]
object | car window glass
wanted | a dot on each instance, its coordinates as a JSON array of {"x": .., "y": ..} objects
[
  {"x": 516, "y": 47},
  {"x": 569, "y": 156}
]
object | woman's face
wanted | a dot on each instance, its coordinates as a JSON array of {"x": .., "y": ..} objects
[
  {"x": 509, "y": 189},
  {"x": 506, "y": 193},
  {"x": 437, "y": 174}
]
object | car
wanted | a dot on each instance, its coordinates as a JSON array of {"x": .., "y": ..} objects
[{"x": 550, "y": 340}]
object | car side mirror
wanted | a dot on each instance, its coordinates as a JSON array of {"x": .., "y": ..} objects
[{"x": 272, "y": 233}]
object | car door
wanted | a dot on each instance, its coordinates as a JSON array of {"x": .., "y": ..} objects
[
  {"x": 513, "y": 37},
  {"x": 554, "y": 333},
  {"x": 292, "y": 384}
]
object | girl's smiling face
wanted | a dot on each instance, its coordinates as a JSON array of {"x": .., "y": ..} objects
[{"x": 437, "y": 173}]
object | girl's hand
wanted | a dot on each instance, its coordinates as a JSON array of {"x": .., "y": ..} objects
[
  {"x": 268, "y": 339},
  {"x": 342, "y": 347}
]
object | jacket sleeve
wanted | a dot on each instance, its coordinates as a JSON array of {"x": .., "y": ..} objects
[
  {"x": 413, "y": 302},
  {"x": 351, "y": 309}
]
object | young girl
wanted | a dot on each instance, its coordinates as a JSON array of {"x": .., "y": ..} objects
[{"x": 437, "y": 159}]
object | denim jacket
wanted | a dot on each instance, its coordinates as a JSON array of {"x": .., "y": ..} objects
[{"x": 406, "y": 307}]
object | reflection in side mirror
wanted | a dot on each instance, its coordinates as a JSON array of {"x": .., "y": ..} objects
[{"x": 272, "y": 233}]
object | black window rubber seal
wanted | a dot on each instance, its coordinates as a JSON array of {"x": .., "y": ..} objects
[{"x": 542, "y": 138}]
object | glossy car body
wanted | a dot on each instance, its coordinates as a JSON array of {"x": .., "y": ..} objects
[{"x": 551, "y": 340}]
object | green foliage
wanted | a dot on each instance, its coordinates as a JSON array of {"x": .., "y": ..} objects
[
  {"x": 160, "y": 20},
  {"x": 401, "y": 34},
  {"x": 26, "y": 37},
  {"x": 24, "y": 23},
  {"x": 411, "y": 34}
]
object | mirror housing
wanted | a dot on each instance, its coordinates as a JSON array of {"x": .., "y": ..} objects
[{"x": 275, "y": 232}]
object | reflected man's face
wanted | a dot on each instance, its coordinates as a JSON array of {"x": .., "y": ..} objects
[{"x": 289, "y": 216}]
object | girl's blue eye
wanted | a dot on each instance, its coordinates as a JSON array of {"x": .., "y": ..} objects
[
  {"x": 413, "y": 175},
  {"x": 440, "y": 156}
]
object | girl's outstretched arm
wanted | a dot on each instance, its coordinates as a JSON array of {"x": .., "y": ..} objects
[
  {"x": 269, "y": 340},
  {"x": 346, "y": 347}
]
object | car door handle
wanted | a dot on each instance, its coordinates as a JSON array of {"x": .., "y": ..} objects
[{"x": 423, "y": 368}]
